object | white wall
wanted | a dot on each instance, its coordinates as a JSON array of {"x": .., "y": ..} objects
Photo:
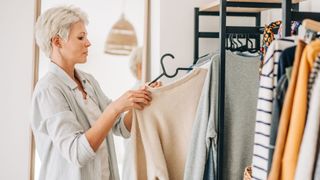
[
  {"x": 154, "y": 38},
  {"x": 176, "y": 30},
  {"x": 16, "y": 47}
]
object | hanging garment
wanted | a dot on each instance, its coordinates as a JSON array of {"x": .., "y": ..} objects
[
  {"x": 316, "y": 172},
  {"x": 299, "y": 111},
  {"x": 280, "y": 92},
  {"x": 284, "y": 71},
  {"x": 285, "y": 60},
  {"x": 209, "y": 172},
  {"x": 161, "y": 133},
  {"x": 314, "y": 112},
  {"x": 241, "y": 86},
  {"x": 312, "y": 77},
  {"x": 204, "y": 132},
  {"x": 275, "y": 171},
  {"x": 308, "y": 149},
  {"x": 268, "y": 37},
  {"x": 268, "y": 81},
  {"x": 242, "y": 76}
]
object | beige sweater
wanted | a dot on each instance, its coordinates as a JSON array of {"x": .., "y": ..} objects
[{"x": 161, "y": 133}]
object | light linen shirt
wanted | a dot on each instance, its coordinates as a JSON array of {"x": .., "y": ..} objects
[
  {"x": 59, "y": 123},
  {"x": 92, "y": 112}
]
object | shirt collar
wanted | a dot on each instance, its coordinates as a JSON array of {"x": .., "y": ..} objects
[{"x": 62, "y": 75}]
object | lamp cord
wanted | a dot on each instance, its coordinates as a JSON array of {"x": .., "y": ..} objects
[{"x": 123, "y": 6}]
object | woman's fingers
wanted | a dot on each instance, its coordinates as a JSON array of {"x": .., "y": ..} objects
[
  {"x": 141, "y": 101},
  {"x": 137, "y": 99},
  {"x": 144, "y": 95},
  {"x": 156, "y": 84},
  {"x": 159, "y": 83}
]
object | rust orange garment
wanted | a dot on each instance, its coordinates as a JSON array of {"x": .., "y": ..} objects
[
  {"x": 275, "y": 170},
  {"x": 299, "y": 111}
]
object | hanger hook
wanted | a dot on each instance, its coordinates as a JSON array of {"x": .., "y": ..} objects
[{"x": 162, "y": 65}]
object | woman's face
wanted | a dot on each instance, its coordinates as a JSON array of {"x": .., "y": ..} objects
[{"x": 75, "y": 49}]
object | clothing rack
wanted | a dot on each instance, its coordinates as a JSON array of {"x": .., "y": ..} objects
[{"x": 238, "y": 8}]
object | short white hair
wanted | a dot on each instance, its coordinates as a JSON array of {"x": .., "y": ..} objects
[
  {"x": 135, "y": 59},
  {"x": 56, "y": 21}
]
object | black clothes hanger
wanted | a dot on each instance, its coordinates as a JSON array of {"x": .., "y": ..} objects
[
  {"x": 233, "y": 45},
  {"x": 236, "y": 46},
  {"x": 237, "y": 36},
  {"x": 164, "y": 73}
]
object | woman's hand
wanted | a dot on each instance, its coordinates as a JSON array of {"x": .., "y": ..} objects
[
  {"x": 136, "y": 99},
  {"x": 156, "y": 84}
]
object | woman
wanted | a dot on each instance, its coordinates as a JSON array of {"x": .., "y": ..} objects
[{"x": 72, "y": 119}]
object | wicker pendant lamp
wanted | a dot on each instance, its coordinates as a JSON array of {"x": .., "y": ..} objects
[{"x": 122, "y": 38}]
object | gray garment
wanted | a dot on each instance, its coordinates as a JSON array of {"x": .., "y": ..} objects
[
  {"x": 59, "y": 124},
  {"x": 241, "y": 91},
  {"x": 242, "y": 83},
  {"x": 203, "y": 129}
]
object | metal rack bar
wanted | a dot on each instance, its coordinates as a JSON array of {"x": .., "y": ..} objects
[
  {"x": 196, "y": 35},
  {"x": 221, "y": 84},
  {"x": 244, "y": 29},
  {"x": 295, "y": 6},
  {"x": 258, "y": 24},
  {"x": 300, "y": 16},
  {"x": 253, "y": 5},
  {"x": 240, "y": 14},
  {"x": 286, "y": 17}
]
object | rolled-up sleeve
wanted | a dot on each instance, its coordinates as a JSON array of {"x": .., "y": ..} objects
[
  {"x": 119, "y": 128},
  {"x": 53, "y": 116}
]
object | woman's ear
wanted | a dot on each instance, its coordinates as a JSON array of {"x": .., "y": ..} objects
[{"x": 56, "y": 41}]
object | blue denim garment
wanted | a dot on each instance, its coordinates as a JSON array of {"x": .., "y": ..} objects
[
  {"x": 209, "y": 174},
  {"x": 280, "y": 92},
  {"x": 285, "y": 60}
]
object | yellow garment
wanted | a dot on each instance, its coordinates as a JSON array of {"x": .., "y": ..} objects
[
  {"x": 275, "y": 171},
  {"x": 161, "y": 133},
  {"x": 299, "y": 111}
]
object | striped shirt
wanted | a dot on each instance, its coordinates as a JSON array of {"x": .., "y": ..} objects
[
  {"x": 312, "y": 77},
  {"x": 268, "y": 82}
]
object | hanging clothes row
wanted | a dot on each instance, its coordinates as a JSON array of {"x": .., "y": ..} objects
[
  {"x": 176, "y": 136},
  {"x": 289, "y": 72}
]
